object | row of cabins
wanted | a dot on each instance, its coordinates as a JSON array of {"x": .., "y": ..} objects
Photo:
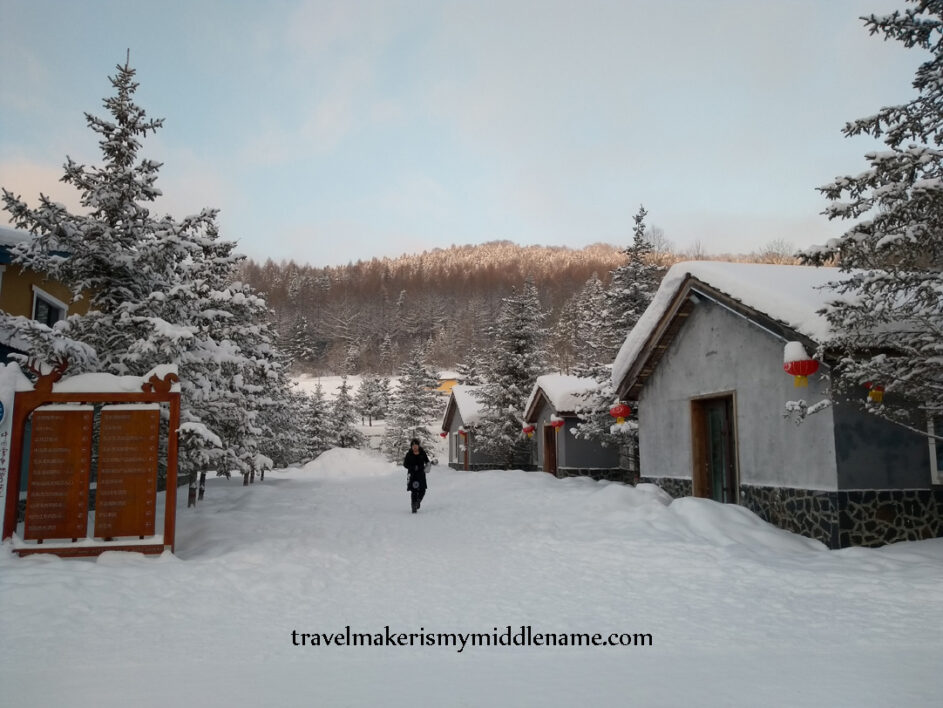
[{"x": 705, "y": 368}]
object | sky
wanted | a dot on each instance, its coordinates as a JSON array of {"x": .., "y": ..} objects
[{"x": 331, "y": 132}]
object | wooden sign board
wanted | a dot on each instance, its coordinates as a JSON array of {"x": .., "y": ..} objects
[
  {"x": 126, "y": 497},
  {"x": 59, "y": 465}
]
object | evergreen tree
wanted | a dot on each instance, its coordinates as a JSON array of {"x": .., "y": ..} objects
[
  {"x": 565, "y": 337},
  {"x": 887, "y": 315},
  {"x": 414, "y": 403},
  {"x": 386, "y": 355},
  {"x": 317, "y": 424},
  {"x": 369, "y": 399},
  {"x": 632, "y": 286},
  {"x": 298, "y": 343},
  {"x": 159, "y": 291},
  {"x": 610, "y": 319},
  {"x": 344, "y": 420},
  {"x": 516, "y": 360},
  {"x": 384, "y": 395},
  {"x": 592, "y": 355},
  {"x": 470, "y": 369}
]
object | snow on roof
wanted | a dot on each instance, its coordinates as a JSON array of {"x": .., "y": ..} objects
[
  {"x": 110, "y": 383},
  {"x": 11, "y": 237},
  {"x": 562, "y": 390},
  {"x": 790, "y": 294},
  {"x": 469, "y": 407}
]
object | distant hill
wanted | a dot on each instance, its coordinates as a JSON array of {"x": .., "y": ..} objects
[{"x": 338, "y": 318}]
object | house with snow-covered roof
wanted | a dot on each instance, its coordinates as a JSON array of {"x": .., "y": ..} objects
[
  {"x": 27, "y": 293},
  {"x": 552, "y": 411},
  {"x": 705, "y": 363},
  {"x": 459, "y": 425}
]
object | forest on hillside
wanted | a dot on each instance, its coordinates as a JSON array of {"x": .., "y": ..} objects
[{"x": 367, "y": 316}]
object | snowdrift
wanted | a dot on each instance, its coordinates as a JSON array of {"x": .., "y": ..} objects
[{"x": 340, "y": 463}]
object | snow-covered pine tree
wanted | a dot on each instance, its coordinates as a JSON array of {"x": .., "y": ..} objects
[
  {"x": 112, "y": 248},
  {"x": 298, "y": 343},
  {"x": 369, "y": 399},
  {"x": 591, "y": 352},
  {"x": 632, "y": 286},
  {"x": 516, "y": 360},
  {"x": 470, "y": 369},
  {"x": 344, "y": 419},
  {"x": 159, "y": 291},
  {"x": 414, "y": 403},
  {"x": 565, "y": 337},
  {"x": 386, "y": 355},
  {"x": 631, "y": 290},
  {"x": 384, "y": 394},
  {"x": 888, "y": 313},
  {"x": 317, "y": 424}
]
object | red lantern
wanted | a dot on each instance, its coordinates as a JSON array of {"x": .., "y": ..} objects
[
  {"x": 443, "y": 434},
  {"x": 462, "y": 432},
  {"x": 620, "y": 412},
  {"x": 875, "y": 392},
  {"x": 556, "y": 423},
  {"x": 529, "y": 430},
  {"x": 798, "y": 364}
]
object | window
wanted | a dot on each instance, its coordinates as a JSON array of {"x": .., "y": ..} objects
[{"x": 46, "y": 308}]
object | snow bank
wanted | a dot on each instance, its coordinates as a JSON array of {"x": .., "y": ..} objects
[
  {"x": 731, "y": 524},
  {"x": 342, "y": 463}
]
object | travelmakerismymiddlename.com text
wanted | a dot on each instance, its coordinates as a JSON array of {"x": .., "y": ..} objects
[{"x": 523, "y": 636}]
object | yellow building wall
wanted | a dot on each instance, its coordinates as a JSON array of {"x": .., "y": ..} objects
[
  {"x": 445, "y": 386},
  {"x": 16, "y": 292}
]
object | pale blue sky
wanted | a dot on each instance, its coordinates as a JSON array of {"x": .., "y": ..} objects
[{"x": 335, "y": 131}]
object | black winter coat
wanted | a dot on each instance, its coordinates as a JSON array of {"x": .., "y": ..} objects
[{"x": 415, "y": 465}]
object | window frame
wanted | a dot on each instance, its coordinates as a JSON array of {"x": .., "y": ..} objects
[{"x": 51, "y": 300}]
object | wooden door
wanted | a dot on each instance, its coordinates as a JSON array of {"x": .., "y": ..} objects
[
  {"x": 550, "y": 450},
  {"x": 714, "y": 449}
]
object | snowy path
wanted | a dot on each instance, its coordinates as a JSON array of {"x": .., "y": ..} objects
[{"x": 740, "y": 613}]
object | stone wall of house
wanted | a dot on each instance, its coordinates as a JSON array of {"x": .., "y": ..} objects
[
  {"x": 838, "y": 519},
  {"x": 807, "y": 512},
  {"x": 675, "y": 486},
  {"x": 852, "y": 517}
]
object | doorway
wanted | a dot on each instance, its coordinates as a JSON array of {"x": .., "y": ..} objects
[
  {"x": 550, "y": 450},
  {"x": 714, "y": 449}
]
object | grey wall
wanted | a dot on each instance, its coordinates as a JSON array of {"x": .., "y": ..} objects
[
  {"x": 573, "y": 452},
  {"x": 475, "y": 456},
  {"x": 875, "y": 454},
  {"x": 719, "y": 352}
]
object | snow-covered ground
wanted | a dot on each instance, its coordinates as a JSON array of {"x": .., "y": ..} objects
[{"x": 739, "y": 613}]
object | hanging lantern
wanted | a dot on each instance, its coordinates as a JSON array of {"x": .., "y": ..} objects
[
  {"x": 798, "y": 363},
  {"x": 443, "y": 434},
  {"x": 556, "y": 423},
  {"x": 875, "y": 392},
  {"x": 529, "y": 430},
  {"x": 462, "y": 432},
  {"x": 620, "y": 412}
]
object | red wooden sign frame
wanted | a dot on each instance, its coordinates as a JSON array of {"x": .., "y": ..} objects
[{"x": 155, "y": 390}]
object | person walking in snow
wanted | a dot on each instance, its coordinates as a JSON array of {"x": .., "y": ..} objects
[{"x": 415, "y": 463}]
